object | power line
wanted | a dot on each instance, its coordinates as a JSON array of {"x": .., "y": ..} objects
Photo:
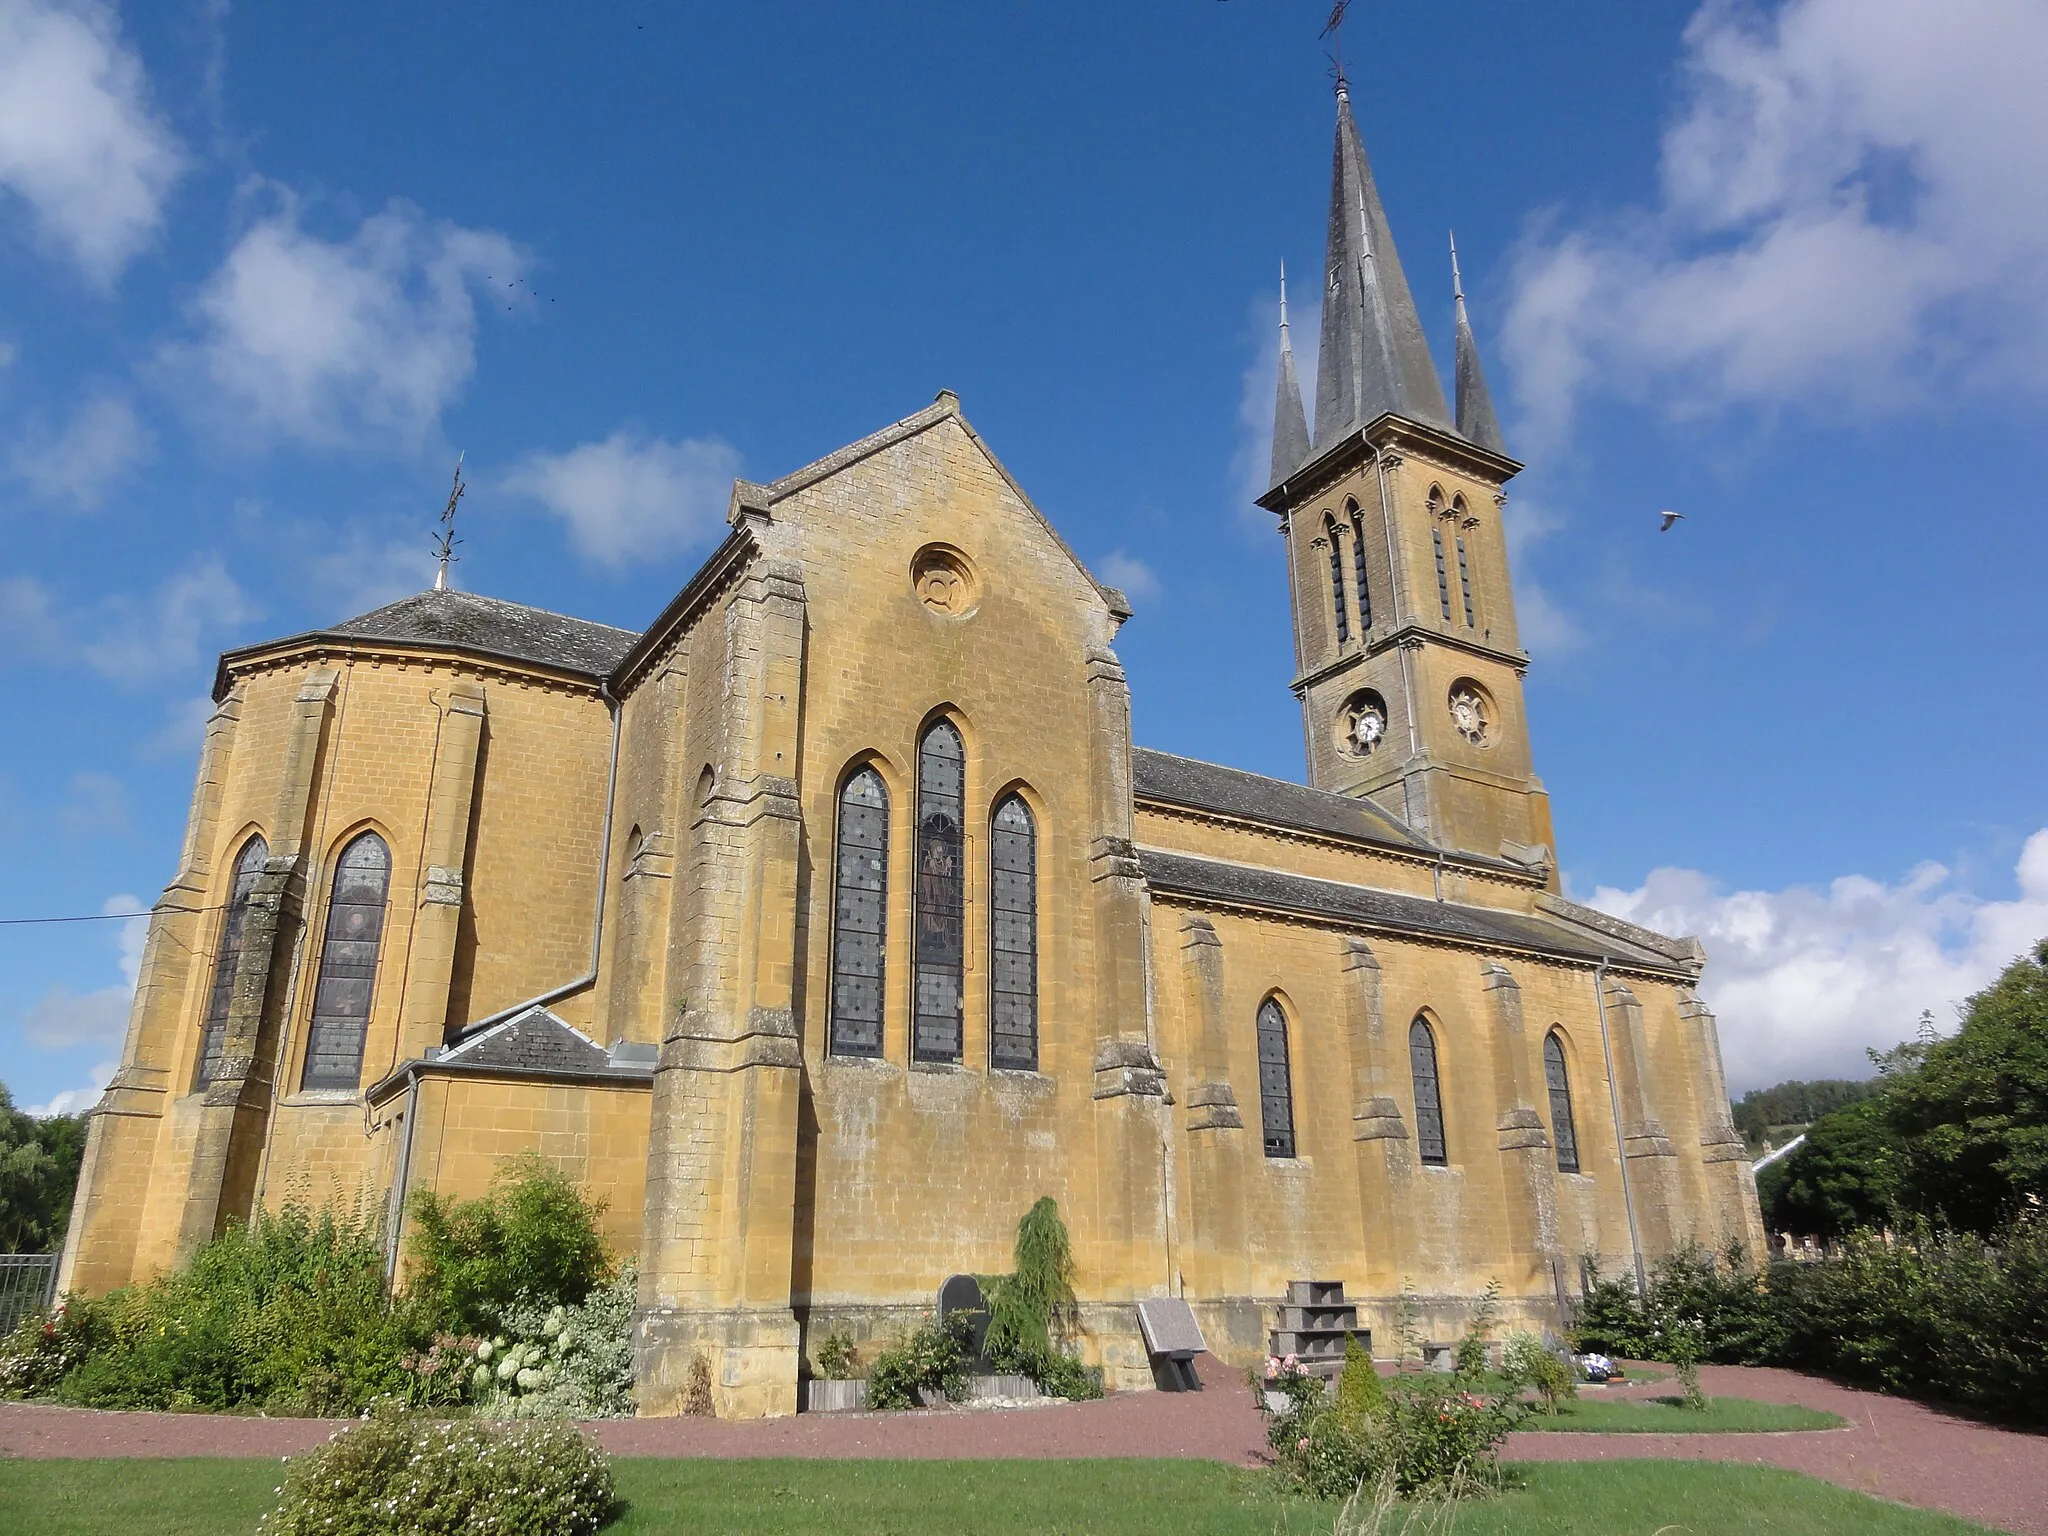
[{"x": 90, "y": 917}]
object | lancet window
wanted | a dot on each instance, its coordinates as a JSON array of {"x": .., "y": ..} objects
[
  {"x": 1358, "y": 568},
  {"x": 938, "y": 940},
  {"x": 348, "y": 965},
  {"x": 1276, "y": 1088},
  {"x": 1465, "y": 580},
  {"x": 1443, "y": 579},
  {"x": 1337, "y": 580},
  {"x": 1429, "y": 1104},
  {"x": 214, "y": 1033},
  {"x": 1564, "y": 1131},
  {"x": 860, "y": 890},
  {"x": 1013, "y": 936}
]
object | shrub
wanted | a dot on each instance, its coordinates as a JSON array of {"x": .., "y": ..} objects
[
  {"x": 533, "y": 1239},
  {"x": 288, "y": 1314},
  {"x": 43, "y": 1350},
  {"x": 933, "y": 1358},
  {"x": 1470, "y": 1354},
  {"x": 836, "y": 1356},
  {"x": 1032, "y": 1313},
  {"x": 1433, "y": 1433},
  {"x": 395, "y": 1475},
  {"x": 1360, "y": 1392},
  {"x": 561, "y": 1362},
  {"x": 1525, "y": 1361}
]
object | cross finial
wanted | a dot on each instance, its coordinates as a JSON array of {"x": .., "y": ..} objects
[
  {"x": 1457, "y": 282},
  {"x": 445, "y": 541},
  {"x": 1283, "y": 295},
  {"x": 1333, "y": 29}
]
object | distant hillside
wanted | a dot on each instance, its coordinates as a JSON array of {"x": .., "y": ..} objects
[{"x": 1781, "y": 1112}]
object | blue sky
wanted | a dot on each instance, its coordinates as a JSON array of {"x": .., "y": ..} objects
[{"x": 263, "y": 272}]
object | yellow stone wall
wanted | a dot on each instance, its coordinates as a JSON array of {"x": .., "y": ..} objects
[{"x": 770, "y": 1190}]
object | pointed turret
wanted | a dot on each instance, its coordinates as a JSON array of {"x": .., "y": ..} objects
[
  {"x": 1476, "y": 421},
  {"x": 1290, "y": 421},
  {"x": 1374, "y": 358}
]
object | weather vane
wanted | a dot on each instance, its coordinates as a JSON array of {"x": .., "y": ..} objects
[
  {"x": 1333, "y": 29},
  {"x": 445, "y": 541}
]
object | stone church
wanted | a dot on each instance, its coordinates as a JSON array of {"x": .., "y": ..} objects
[{"x": 827, "y": 922}]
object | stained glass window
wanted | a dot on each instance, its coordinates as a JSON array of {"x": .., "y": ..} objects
[
  {"x": 1276, "y": 1090},
  {"x": 348, "y": 965},
  {"x": 214, "y": 1033},
  {"x": 1563, "y": 1131},
  {"x": 939, "y": 939},
  {"x": 860, "y": 895},
  {"x": 1429, "y": 1104},
  {"x": 1013, "y": 937}
]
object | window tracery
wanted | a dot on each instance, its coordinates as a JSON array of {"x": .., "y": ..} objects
[
  {"x": 348, "y": 965},
  {"x": 213, "y": 1033},
  {"x": 860, "y": 888},
  {"x": 938, "y": 940},
  {"x": 1276, "y": 1089},
  {"x": 1429, "y": 1105},
  {"x": 1013, "y": 936}
]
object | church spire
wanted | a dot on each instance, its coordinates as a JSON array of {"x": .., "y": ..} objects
[
  {"x": 1290, "y": 421},
  {"x": 1476, "y": 421},
  {"x": 1374, "y": 358}
]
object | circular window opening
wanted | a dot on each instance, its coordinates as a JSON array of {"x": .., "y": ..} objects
[{"x": 944, "y": 581}]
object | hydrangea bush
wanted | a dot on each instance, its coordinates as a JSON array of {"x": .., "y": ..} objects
[
  {"x": 560, "y": 1362},
  {"x": 397, "y": 1475}
]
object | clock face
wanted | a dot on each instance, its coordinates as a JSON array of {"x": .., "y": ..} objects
[
  {"x": 1362, "y": 724},
  {"x": 1468, "y": 714}
]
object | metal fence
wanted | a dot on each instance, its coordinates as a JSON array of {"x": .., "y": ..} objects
[{"x": 28, "y": 1284}]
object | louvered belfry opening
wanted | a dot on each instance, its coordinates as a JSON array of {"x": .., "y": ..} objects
[
  {"x": 214, "y": 1033},
  {"x": 1564, "y": 1133},
  {"x": 860, "y": 888},
  {"x": 1276, "y": 1089},
  {"x": 1429, "y": 1104},
  {"x": 348, "y": 965},
  {"x": 1013, "y": 937},
  {"x": 939, "y": 937}
]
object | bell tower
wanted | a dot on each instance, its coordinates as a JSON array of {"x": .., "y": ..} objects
[{"x": 1408, "y": 662}]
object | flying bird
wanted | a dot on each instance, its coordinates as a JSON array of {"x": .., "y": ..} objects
[{"x": 1669, "y": 519}]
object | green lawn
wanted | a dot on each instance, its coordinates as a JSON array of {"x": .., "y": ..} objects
[
  {"x": 996, "y": 1498},
  {"x": 1669, "y": 1416}
]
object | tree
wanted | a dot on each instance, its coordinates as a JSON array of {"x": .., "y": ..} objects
[
  {"x": 39, "y": 1161},
  {"x": 1972, "y": 1113},
  {"x": 1845, "y": 1175},
  {"x": 1762, "y": 1110}
]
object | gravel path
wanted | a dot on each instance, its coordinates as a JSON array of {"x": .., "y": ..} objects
[{"x": 1892, "y": 1448}]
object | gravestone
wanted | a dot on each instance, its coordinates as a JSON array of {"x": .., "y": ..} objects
[
  {"x": 962, "y": 1293},
  {"x": 1173, "y": 1338}
]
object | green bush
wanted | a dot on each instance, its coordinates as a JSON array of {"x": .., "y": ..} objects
[
  {"x": 1434, "y": 1433},
  {"x": 933, "y": 1358},
  {"x": 561, "y": 1362},
  {"x": 1526, "y": 1362},
  {"x": 401, "y": 1476},
  {"x": 836, "y": 1356},
  {"x": 39, "y": 1161},
  {"x": 534, "y": 1238},
  {"x": 1032, "y": 1314},
  {"x": 288, "y": 1314},
  {"x": 1360, "y": 1392},
  {"x": 43, "y": 1350}
]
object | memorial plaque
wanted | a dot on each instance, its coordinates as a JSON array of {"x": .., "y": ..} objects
[
  {"x": 1170, "y": 1328},
  {"x": 962, "y": 1293}
]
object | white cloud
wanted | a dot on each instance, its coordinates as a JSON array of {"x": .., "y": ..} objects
[
  {"x": 28, "y": 617},
  {"x": 139, "y": 641},
  {"x": 1543, "y": 624},
  {"x": 1803, "y": 980},
  {"x": 362, "y": 572},
  {"x": 80, "y": 464},
  {"x": 1845, "y": 221},
  {"x": 76, "y": 1101},
  {"x": 1130, "y": 575},
  {"x": 95, "y": 805},
  {"x": 361, "y": 342},
  {"x": 79, "y": 141},
  {"x": 632, "y": 497},
  {"x": 183, "y": 729},
  {"x": 1251, "y": 464}
]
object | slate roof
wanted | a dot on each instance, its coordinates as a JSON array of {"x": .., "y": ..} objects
[
  {"x": 482, "y": 626},
  {"x": 1234, "y": 792},
  {"x": 494, "y": 626},
  {"x": 1386, "y": 911}
]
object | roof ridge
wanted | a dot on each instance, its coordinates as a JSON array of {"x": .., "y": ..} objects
[{"x": 441, "y": 593}]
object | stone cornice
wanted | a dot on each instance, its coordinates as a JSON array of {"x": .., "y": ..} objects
[{"x": 1395, "y": 434}]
